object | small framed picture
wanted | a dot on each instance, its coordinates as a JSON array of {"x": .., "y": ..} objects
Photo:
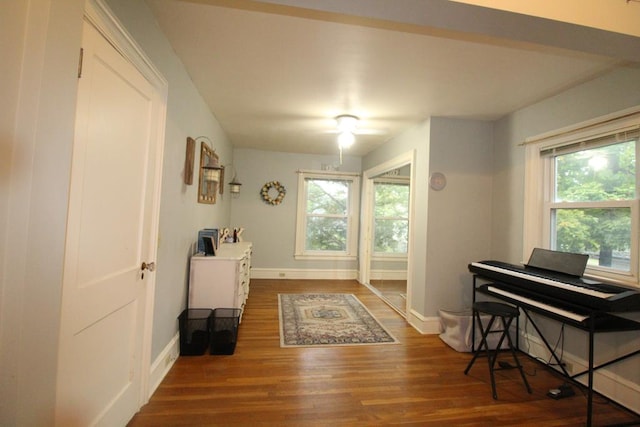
[
  {"x": 210, "y": 247},
  {"x": 210, "y": 232}
]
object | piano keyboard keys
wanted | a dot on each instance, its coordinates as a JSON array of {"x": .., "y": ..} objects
[
  {"x": 546, "y": 281},
  {"x": 550, "y": 308}
]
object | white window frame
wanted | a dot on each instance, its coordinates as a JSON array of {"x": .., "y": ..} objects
[
  {"x": 351, "y": 253},
  {"x": 383, "y": 256},
  {"x": 538, "y": 202}
]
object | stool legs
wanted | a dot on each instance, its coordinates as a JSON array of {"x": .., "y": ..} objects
[
  {"x": 492, "y": 355},
  {"x": 515, "y": 357},
  {"x": 483, "y": 340}
]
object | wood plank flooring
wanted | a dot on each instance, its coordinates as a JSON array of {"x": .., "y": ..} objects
[
  {"x": 418, "y": 382},
  {"x": 394, "y": 292}
]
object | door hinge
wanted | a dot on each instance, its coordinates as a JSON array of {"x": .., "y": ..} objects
[{"x": 80, "y": 62}]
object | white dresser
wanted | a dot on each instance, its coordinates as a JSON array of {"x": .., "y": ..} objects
[{"x": 221, "y": 281}]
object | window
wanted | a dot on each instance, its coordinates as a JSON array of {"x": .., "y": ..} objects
[
  {"x": 390, "y": 218},
  {"x": 327, "y": 215},
  {"x": 587, "y": 197}
]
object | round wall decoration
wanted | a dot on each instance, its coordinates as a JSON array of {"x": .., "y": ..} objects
[
  {"x": 269, "y": 196},
  {"x": 437, "y": 181}
]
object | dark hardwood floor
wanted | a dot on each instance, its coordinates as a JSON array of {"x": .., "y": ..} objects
[{"x": 418, "y": 382}]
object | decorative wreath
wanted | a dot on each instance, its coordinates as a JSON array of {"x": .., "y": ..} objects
[{"x": 265, "y": 193}]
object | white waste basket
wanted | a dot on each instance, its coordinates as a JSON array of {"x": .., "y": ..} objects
[{"x": 455, "y": 330}]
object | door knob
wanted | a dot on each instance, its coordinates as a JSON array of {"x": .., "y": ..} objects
[
  {"x": 150, "y": 266},
  {"x": 147, "y": 266}
]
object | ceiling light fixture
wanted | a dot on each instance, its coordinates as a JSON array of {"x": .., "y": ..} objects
[
  {"x": 346, "y": 139},
  {"x": 347, "y": 125}
]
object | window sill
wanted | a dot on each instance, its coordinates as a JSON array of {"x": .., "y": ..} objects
[{"x": 389, "y": 257}]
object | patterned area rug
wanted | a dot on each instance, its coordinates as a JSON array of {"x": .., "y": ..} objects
[{"x": 308, "y": 320}]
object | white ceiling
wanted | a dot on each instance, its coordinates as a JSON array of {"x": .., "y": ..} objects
[{"x": 275, "y": 76}]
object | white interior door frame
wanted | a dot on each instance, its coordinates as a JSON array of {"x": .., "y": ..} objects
[
  {"x": 103, "y": 19},
  {"x": 366, "y": 216}
]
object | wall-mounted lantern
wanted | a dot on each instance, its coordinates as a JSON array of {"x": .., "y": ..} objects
[
  {"x": 234, "y": 184},
  {"x": 210, "y": 175}
]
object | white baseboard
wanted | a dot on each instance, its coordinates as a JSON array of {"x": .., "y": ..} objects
[
  {"x": 323, "y": 274},
  {"x": 424, "y": 325},
  {"x": 163, "y": 363},
  {"x": 388, "y": 274},
  {"x": 607, "y": 383},
  {"x": 303, "y": 274}
]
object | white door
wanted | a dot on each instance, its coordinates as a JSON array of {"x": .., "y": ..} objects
[{"x": 111, "y": 230}]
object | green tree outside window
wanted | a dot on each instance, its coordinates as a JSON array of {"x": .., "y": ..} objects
[{"x": 597, "y": 176}]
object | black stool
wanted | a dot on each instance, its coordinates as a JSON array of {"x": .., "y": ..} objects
[{"x": 506, "y": 313}]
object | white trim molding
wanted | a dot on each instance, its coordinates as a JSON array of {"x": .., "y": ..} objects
[
  {"x": 163, "y": 363},
  {"x": 388, "y": 274},
  {"x": 303, "y": 274},
  {"x": 425, "y": 325},
  {"x": 350, "y": 252}
]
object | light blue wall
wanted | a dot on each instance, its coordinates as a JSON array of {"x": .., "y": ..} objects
[
  {"x": 272, "y": 228},
  {"x": 459, "y": 220}
]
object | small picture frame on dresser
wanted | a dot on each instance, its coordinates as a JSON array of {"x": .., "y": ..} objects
[
  {"x": 208, "y": 232},
  {"x": 209, "y": 246}
]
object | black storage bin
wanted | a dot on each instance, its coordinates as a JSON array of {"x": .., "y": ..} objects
[
  {"x": 195, "y": 331},
  {"x": 224, "y": 332}
]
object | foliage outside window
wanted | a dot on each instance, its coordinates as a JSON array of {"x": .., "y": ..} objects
[
  {"x": 591, "y": 211},
  {"x": 391, "y": 218},
  {"x": 585, "y": 187},
  {"x": 327, "y": 213}
]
